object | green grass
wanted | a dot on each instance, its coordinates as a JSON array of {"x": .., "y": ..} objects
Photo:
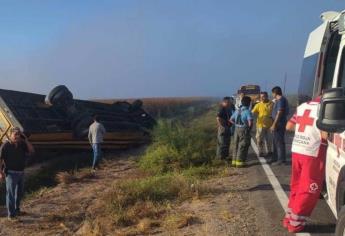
[
  {"x": 154, "y": 188},
  {"x": 203, "y": 172}
]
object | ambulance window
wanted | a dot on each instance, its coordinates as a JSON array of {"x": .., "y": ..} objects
[
  {"x": 341, "y": 76},
  {"x": 306, "y": 84},
  {"x": 330, "y": 60}
]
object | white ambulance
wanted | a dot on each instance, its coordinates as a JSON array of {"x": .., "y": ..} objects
[{"x": 323, "y": 70}]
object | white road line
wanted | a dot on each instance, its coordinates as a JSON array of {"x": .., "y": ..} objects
[{"x": 281, "y": 195}]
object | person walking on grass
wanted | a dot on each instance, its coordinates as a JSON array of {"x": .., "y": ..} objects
[
  {"x": 263, "y": 110},
  {"x": 279, "y": 114},
  {"x": 96, "y": 136},
  {"x": 243, "y": 121},
  {"x": 224, "y": 128},
  {"x": 13, "y": 155}
]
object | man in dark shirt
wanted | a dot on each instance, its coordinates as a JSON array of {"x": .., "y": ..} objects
[
  {"x": 13, "y": 156},
  {"x": 279, "y": 114},
  {"x": 224, "y": 127}
]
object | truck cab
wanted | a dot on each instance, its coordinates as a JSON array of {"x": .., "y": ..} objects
[
  {"x": 252, "y": 91},
  {"x": 323, "y": 69}
]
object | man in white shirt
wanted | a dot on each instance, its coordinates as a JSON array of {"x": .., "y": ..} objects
[{"x": 96, "y": 135}]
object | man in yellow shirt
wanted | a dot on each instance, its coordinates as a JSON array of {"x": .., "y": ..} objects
[{"x": 263, "y": 110}]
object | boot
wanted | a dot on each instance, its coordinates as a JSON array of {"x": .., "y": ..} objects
[
  {"x": 286, "y": 222},
  {"x": 295, "y": 229}
]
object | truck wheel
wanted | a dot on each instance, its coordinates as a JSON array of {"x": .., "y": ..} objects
[
  {"x": 60, "y": 96},
  {"x": 340, "y": 228}
]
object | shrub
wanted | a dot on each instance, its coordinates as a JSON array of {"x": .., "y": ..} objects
[
  {"x": 160, "y": 159},
  {"x": 176, "y": 146}
]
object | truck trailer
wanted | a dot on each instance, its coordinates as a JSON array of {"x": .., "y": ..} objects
[{"x": 59, "y": 121}]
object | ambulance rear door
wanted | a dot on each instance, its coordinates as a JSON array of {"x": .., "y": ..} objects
[{"x": 335, "y": 162}]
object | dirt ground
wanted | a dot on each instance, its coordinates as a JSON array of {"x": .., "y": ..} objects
[
  {"x": 64, "y": 209},
  {"x": 225, "y": 212}
]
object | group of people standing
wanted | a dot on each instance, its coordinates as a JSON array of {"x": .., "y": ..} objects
[
  {"x": 238, "y": 121},
  {"x": 308, "y": 151}
]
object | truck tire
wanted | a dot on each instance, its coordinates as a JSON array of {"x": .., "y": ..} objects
[
  {"x": 340, "y": 227},
  {"x": 60, "y": 96}
]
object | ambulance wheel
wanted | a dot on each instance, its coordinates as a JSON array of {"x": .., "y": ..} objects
[{"x": 340, "y": 228}]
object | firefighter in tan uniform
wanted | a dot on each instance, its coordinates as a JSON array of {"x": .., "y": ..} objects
[{"x": 309, "y": 148}]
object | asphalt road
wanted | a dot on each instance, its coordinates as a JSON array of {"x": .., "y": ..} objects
[{"x": 270, "y": 211}]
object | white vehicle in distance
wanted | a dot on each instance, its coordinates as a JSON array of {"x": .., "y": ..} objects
[{"x": 323, "y": 70}]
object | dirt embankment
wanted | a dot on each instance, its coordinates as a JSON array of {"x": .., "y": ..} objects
[{"x": 78, "y": 208}]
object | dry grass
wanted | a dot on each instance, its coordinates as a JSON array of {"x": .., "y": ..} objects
[
  {"x": 72, "y": 177},
  {"x": 145, "y": 225},
  {"x": 84, "y": 175},
  {"x": 131, "y": 201},
  {"x": 66, "y": 177},
  {"x": 179, "y": 220},
  {"x": 143, "y": 205}
]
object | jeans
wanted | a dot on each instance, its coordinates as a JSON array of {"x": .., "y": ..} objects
[
  {"x": 14, "y": 191},
  {"x": 97, "y": 154},
  {"x": 279, "y": 152}
]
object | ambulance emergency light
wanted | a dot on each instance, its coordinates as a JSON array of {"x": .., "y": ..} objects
[{"x": 332, "y": 111}]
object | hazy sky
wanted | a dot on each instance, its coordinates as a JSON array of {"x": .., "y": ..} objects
[{"x": 146, "y": 48}]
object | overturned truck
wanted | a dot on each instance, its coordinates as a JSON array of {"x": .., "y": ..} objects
[{"x": 60, "y": 121}]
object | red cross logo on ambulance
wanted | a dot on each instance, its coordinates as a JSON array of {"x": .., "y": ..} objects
[{"x": 313, "y": 187}]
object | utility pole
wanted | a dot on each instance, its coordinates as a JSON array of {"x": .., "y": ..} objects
[{"x": 285, "y": 79}]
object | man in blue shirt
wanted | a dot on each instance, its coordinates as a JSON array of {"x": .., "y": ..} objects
[
  {"x": 279, "y": 114},
  {"x": 243, "y": 121}
]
